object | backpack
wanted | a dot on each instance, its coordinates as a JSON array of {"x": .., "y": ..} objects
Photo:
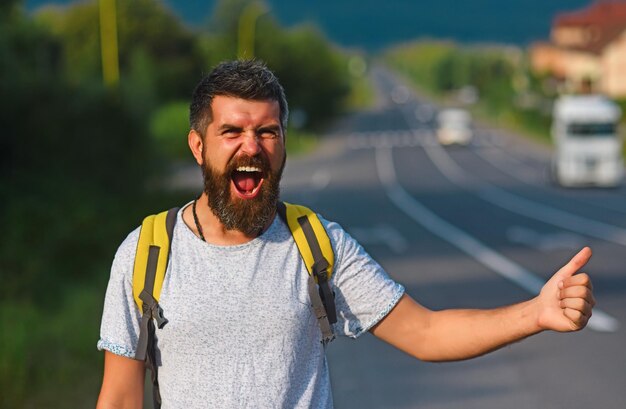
[{"x": 152, "y": 255}]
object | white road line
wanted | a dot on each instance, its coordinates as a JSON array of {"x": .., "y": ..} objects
[
  {"x": 320, "y": 179},
  {"x": 600, "y": 321},
  {"x": 520, "y": 205},
  {"x": 542, "y": 241},
  {"x": 556, "y": 217},
  {"x": 531, "y": 177},
  {"x": 369, "y": 140}
]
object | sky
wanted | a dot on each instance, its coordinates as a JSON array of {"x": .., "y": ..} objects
[{"x": 374, "y": 24}]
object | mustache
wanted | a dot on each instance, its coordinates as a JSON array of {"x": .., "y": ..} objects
[
  {"x": 251, "y": 216},
  {"x": 256, "y": 161}
]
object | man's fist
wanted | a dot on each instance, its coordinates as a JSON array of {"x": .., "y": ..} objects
[{"x": 566, "y": 300}]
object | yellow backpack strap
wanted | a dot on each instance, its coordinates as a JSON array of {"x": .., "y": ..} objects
[
  {"x": 151, "y": 257},
  {"x": 296, "y": 216},
  {"x": 317, "y": 253}
]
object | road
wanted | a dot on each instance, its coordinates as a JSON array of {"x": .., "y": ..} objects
[{"x": 473, "y": 227}]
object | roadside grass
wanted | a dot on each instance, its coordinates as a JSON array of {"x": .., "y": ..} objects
[
  {"x": 528, "y": 124},
  {"x": 362, "y": 95}
]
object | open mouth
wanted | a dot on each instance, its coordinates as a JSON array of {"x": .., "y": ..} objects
[{"x": 247, "y": 181}]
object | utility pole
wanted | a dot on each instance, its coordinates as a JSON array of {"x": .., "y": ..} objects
[
  {"x": 247, "y": 27},
  {"x": 108, "y": 43}
]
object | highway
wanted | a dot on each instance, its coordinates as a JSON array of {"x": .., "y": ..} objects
[{"x": 474, "y": 227}]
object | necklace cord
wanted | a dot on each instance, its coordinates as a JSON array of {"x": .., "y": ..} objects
[{"x": 195, "y": 219}]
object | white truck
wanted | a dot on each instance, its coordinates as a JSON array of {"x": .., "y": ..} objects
[{"x": 587, "y": 141}]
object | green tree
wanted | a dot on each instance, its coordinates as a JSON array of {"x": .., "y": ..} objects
[
  {"x": 315, "y": 75},
  {"x": 150, "y": 36},
  {"x": 74, "y": 161}
]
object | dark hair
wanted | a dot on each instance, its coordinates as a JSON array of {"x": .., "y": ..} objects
[{"x": 246, "y": 79}]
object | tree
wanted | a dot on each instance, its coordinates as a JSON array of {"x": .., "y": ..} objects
[{"x": 151, "y": 39}]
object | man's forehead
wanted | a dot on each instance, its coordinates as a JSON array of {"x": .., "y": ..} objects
[{"x": 226, "y": 108}]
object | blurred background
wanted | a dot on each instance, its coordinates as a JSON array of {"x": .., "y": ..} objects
[{"x": 93, "y": 120}]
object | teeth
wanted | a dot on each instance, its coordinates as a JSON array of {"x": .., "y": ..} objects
[{"x": 248, "y": 169}]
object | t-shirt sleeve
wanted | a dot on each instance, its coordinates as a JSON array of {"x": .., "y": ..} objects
[
  {"x": 119, "y": 330},
  {"x": 364, "y": 292}
]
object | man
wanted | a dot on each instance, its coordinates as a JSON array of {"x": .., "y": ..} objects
[{"x": 241, "y": 331}]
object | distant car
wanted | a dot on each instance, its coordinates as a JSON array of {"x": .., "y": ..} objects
[{"x": 454, "y": 126}]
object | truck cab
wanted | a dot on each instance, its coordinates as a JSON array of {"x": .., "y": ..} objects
[{"x": 588, "y": 147}]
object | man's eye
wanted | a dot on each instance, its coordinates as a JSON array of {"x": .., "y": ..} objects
[
  {"x": 267, "y": 134},
  {"x": 230, "y": 133}
]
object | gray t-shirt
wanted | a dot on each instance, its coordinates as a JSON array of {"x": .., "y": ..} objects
[{"x": 241, "y": 330}]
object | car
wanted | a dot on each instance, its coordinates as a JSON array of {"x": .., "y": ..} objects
[{"x": 454, "y": 126}]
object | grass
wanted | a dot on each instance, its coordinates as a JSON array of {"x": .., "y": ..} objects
[
  {"x": 537, "y": 129},
  {"x": 362, "y": 95}
]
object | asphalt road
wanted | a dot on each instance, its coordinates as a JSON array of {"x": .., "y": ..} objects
[{"x": 475, "y": 227}]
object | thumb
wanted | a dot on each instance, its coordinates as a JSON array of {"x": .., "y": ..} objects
[{"x": 574, "y": 265}]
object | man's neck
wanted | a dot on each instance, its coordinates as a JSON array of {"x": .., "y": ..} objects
[{"x": 213, "y": 229}]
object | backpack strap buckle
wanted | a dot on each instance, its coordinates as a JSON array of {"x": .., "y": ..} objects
[
  {"x": 326, "y": 294},
  {"x": 152, "y": 309},
  {"x": 320, "y": 312}
]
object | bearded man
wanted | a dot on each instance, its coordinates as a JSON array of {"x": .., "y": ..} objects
[{"x": 241, "y": 330}]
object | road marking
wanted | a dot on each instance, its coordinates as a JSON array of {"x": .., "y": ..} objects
[
  {"x": 320, "y": 179},
  {"x": 529, "y": 281},
  {"x": 544, "y": 242},
  {"x": 369, "y": 140},
  {"x": 527, "y": 174},
  {"x": 517, "y": 204},
  {"x": 556, "y": 217},
  {"x": 383, "y": 234}
]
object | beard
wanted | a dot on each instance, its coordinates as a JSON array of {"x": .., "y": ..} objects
[{"x": 249, "y": 216}]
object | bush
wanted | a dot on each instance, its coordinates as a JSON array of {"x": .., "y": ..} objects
[
  {"x": 169, "y": 126},
  {"x": 74, "y": 163}
]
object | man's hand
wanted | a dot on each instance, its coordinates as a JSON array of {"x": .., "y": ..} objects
[
  {"x": 566, "y": 300},
  {"x": 564, "y": 304}
]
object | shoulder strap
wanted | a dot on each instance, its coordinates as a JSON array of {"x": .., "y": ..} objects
[
  {"x": 317, "y": 253},
  {"x": 151, "y": 257},
  {"x": 152, "y": 254},
  {"x": 309, "y": 234}
]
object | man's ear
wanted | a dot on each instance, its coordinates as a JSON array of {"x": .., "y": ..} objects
[{"x": 195, "y": 144}]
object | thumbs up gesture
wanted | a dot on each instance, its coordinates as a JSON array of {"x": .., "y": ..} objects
[{"x": 566, "y": 300}]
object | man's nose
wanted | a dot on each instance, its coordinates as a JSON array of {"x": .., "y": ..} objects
[{"x": 250, "y": 144}]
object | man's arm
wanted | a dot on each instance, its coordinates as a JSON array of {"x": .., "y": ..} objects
[
  {"x": 122, "y": 385},
  {"x": 564, "y": 304}
]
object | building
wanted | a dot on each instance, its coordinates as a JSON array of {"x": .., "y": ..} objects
[{"x": 587, "y": 49}]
